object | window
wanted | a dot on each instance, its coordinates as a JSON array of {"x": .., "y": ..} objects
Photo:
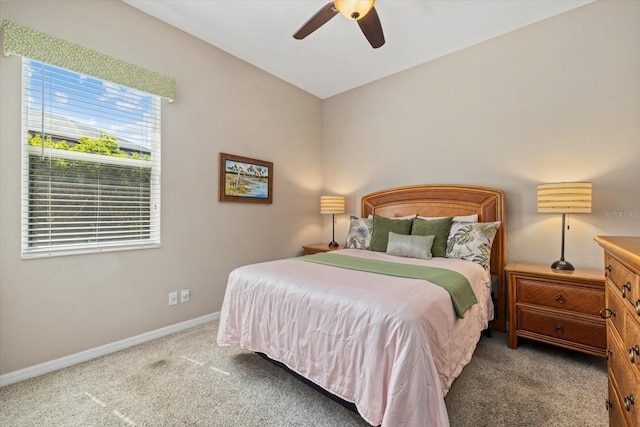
[{"x": 90, "y": 164}]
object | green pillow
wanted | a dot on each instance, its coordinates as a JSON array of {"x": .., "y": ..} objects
[
  {"x": 434, "y": 227},
  {"x": 382, "y": 226},
  {"x": 411, "y": 246}
]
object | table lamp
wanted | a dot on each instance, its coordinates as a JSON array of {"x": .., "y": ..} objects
[
  {"x": 564, "y": 198},
  {"x": 332, "y": 205}
]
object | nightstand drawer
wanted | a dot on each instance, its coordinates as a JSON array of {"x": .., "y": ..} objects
[
  {"x": 572, "y": 298},
  {"x": 561, "y": 327},
  {"x": 557, "y": 307}
]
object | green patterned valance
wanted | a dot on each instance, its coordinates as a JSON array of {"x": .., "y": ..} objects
[{"x": 24, "y": 41}]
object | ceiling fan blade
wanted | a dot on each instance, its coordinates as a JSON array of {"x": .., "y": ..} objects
[
  {"x": 316, "y": 21},
  {"x": 372, "y": 29}
]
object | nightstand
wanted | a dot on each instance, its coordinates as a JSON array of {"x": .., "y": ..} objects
[
  {"x": 319, "y": 247},
  {"x": 559, "y": 307}
]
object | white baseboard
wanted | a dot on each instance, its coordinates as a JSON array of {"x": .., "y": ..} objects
[{"x": 83, "y": 356}]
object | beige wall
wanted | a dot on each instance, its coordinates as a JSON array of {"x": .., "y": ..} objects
[
  {"x": 59, "y": 306},
  {"x": 556, "y": 101},
  {"x": 559, "y": 100}
]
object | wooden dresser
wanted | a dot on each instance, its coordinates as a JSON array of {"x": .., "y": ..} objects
[
  {"x": 622, "y": 268},
  {"x": 559, "y": 307}
]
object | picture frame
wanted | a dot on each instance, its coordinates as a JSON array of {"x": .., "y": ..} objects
[{"x": 245, "y": 180}]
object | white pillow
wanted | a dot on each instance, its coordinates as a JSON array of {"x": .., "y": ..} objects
[
  {"x": 461, "y": 218},
  {"x": 395, "y": 217}
]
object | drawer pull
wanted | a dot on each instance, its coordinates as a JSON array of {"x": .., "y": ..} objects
[
  {"x": 606, "y": 313},
  {"x": 638, "y": 307},
  {"x": 628, "y": 401},
  {"x": 626, "y": 287},
  {"x": 607, "y": 270},
  {"x": 608, "y": 404},
  {"x": 633, "y": 353},
  {"x": 608, "y": 352},
  {"x": 559, "y": 329},
  {"x": 559, "y": 299}
]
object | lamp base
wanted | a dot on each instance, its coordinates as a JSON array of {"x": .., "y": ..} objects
[
  {"x": 333, "y": 244},
  {"x": 562, "y": 265}
]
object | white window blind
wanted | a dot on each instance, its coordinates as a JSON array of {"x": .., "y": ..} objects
[{"x": 90, "y": 164}]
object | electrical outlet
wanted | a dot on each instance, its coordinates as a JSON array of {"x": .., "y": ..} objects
[
  {"x": 173, "y": 298},
  {"x": 184, "y": 295}
]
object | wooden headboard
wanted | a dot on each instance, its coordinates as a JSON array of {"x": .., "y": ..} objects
[{"x": 450, "y": 200}]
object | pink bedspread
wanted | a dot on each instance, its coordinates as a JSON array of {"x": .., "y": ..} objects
[{"x": 391, "y": 345}]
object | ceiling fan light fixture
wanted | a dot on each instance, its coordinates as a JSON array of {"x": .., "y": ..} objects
[{"x": 354, "y": 9}]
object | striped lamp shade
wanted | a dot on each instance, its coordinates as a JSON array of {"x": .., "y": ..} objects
[
  {"x": 331, "y": 204},
  {"x": 564, "y": 197}
]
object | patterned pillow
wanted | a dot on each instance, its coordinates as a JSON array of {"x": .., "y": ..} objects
[
  {"x": 360, "y": 230},
  {"x": 472, "y": 241}
]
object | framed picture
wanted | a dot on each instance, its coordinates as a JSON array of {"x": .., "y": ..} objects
[{"x": 245, "y": 180}]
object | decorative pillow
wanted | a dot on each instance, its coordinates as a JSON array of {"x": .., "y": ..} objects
[
  {"x": 457, "y": 220},
  {"x": 410, "y": 246},
  {"x": 396, "y": 217},
  {"x": 434, "y": 227},
  {"x": 462, "y": 218},
  {"x": 359, "y": 236},
  {"x": 382, "y": 226},
  {"x": 473, "y": 242}
]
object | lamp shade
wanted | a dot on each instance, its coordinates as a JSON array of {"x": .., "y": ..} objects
[
  {"x": 564, "y": 197},
  {"x": 354, "y": 9},
  {"x": 331, "y": 204}
]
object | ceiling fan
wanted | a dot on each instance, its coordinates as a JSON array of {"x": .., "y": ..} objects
[{"x": 361, "y": 11}]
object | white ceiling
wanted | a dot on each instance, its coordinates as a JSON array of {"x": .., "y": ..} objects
[{"x": 337, "y": 57}]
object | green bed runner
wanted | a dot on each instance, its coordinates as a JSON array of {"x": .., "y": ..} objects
[{"x": 453, "y": 282}]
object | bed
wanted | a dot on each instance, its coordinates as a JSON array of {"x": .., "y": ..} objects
[{"x": 392, "y": 345}]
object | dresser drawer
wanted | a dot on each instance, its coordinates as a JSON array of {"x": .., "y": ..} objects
[
  {"x": 617, "y": 417},
  {"x": 622, "y": 265},
  {"x": 564, "y": 297},
  {"x": 626, "y": 380},
  {"x": 624, "y": 280},
  {"x": 631, "y": 340},
  {"x": 616, "y": 309},
  {"x": 560, "y": 327}
]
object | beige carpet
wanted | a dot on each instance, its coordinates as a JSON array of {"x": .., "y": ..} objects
[{"x": 187, "y": 380}]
